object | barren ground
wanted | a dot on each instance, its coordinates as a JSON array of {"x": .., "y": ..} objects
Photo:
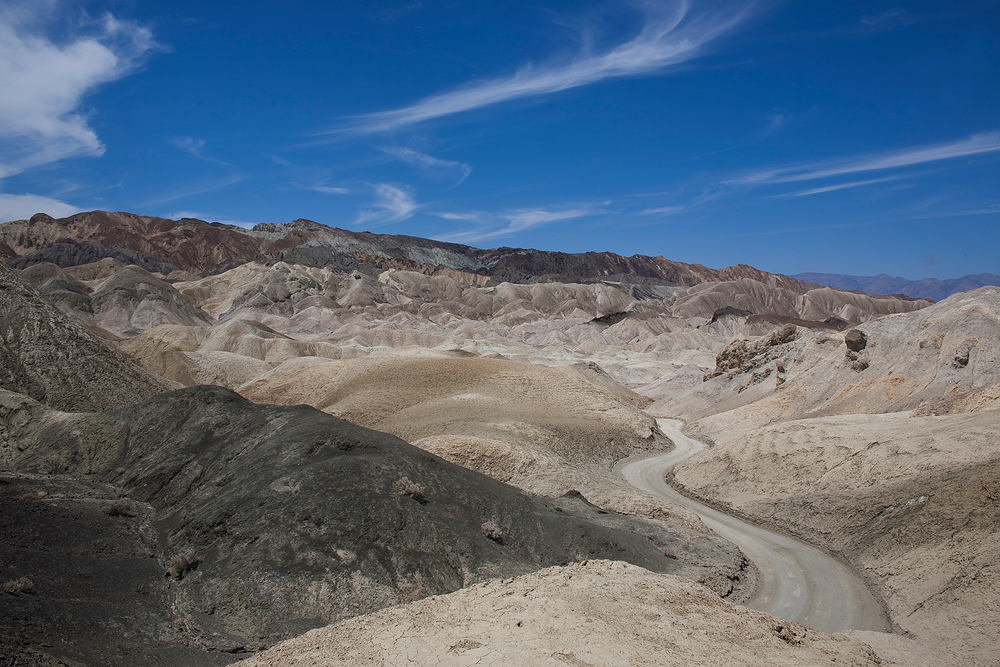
[{"x": 879, "y": 446}]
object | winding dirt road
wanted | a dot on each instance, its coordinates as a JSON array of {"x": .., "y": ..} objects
[{"x": 798, "y": 582}]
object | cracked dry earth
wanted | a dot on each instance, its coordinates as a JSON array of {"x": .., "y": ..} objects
[{"x": 591, "y": 613}]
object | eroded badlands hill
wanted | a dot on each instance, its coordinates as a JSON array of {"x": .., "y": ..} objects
[
  {"x": 540, "y": 383},
  {"x": 248, "y": 524},
  {"x": 879, "y": 444}
]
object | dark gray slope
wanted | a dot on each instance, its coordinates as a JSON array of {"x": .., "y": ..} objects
[
  {"x": 54, "y": 360},
  {"x": 274, "y": 520},
  {"x": 85, "y": 252},
  {"x": 98, "y": 595}
]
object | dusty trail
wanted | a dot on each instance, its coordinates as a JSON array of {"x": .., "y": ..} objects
[{"x": 798, "y": 582}]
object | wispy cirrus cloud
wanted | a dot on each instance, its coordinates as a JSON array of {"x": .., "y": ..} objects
[
  {"x": 192, "y": 145},
  {"x": 392, "y": 204},
  {"x": 523, "y": 218},
  {"x": 841, "y": 186},
  {"x": 330, "y": 189},
  {"x": 511, "y": 222},
  {"x": 44, "y": 80},
  {"x": 977, "y": 144},
  {"x": 988, "y": 209},
  {"x": 886, "y": 20},
  {"x": 430, "y": 163},
  {"x": 195, "y": 147},
  {"x": 202, "y": 187},
  {"x": 662, "y": 210},
  {"x": 673, "y": 33},
  {"x": 475, "y": 216}
]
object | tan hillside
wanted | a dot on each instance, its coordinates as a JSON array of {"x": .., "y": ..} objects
[
  {"x": 847, "y": 452},
  {"x": 125, "y": 301},
  {"x": 593, "y": 613}
]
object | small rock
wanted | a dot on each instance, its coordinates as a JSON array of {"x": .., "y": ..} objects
[{"x": 855, "y": 340}]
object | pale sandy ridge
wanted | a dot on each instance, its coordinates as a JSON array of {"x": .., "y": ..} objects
[
  {"x": 911, "y": 500},
  {"x": 591, "y": 613}
]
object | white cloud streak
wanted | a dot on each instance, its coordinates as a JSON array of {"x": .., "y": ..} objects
[
  {"x": 991, "y": 209},
  {"x": 196, "y": 189},
  {"x": 392, "y": 204},
  {"x": 330, "y": 190},
  {"x": 22, "y": 207},
  {"x": 841, "y": 186},
  {"x": 43, "y": 82},
  {"x": 662, "y": 210},
  {"x": 430, "y": 163},
  {"x": 977, "y": 144},
  {"x": 673, "y": 34},
  {"x": 517, "y": 220},
  {"x": 470, "y": 217},
  {"x": 192, "y": 145}
]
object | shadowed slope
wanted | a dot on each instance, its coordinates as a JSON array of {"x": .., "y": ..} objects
[{"x": 274, "y": 520}]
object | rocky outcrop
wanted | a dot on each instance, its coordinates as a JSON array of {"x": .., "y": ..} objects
[
  {"x": 855, "y": 340},
  {"x": 88, "y": 252},
  {"x": 745, "y": 356}
]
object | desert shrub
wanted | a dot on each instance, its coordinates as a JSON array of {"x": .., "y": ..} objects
[
  {"x": 491, "y": 529},
  {"x": 118, "y": 508},
  {"x": 16, "y": 586},
  {"x": 182, "y": 562},
  {"x": 405, "y": 487}
]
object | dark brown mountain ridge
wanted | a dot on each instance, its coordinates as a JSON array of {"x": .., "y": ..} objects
[{"x": 159, "y": 244}]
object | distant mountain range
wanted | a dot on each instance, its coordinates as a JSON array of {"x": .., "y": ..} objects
[
  {"x": 200, "y": 247},
  {"x": 928, "y": 288}
]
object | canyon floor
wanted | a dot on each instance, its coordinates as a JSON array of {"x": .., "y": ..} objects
[{"x": 396, "y": 461}]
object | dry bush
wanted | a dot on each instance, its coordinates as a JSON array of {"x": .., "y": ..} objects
[
  {"x": 404, "y": 486},
  {"x": 118, "y": 508},
  {"x": 491, "y": 529},
  {"x": 16, "y": 586},
  {"x": 182, "y": 562}
]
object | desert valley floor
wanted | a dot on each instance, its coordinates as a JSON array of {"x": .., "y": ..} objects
[{"x": 297, "y": 445}]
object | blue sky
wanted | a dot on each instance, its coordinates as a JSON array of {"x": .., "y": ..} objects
[{"x": 845, "y": 137}]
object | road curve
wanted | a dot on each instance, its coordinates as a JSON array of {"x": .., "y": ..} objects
[{"x": 797, "y": 582}]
